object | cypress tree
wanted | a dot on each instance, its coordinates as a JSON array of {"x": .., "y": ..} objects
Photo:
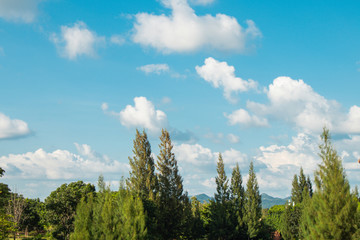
[
  {"x": 252, "y": 205},
  {"x": 332, "y": 209},
  {"x": 238, "y": 201},
  {"x": 171, "y": 197}
]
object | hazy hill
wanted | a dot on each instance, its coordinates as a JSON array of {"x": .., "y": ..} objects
[{"x": 267, "y": 200}]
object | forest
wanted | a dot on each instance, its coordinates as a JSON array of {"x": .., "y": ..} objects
[{"x": 152, "y": 204}]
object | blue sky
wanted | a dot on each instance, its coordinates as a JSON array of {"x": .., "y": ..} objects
[{"x": 254, "y": 80}]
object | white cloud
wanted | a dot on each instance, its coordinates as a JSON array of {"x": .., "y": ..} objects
[
  {"x": 19, "y": 10},
  {"x": 194, "y": 154},
  {"x": 76, "y": 41},
  {"x": 220, "y": 74},
  {"x": 233, "y": 138},
  {"x": 184, "y": 31},
  {"x": 295, "y": 102},
  {"x": 201, "y": 2},
  {"x": 142, "y": 115},
  {"x": 117, "y": 39},
  {"x": 11, "y": 128},
  {"x": 301, "y": 152},
  {"x": 242, "y": 117},
  {"x": 232, "y": 156},
  {"x": 60, "y": 164},
  {"x": 154, "y": 68},
  {"x": 209, "y": 183}
]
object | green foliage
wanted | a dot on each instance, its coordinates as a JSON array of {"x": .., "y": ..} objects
[
  {"x": 31, "y": 220},
  {"x": 108, "y": 215},
  {"x": 142, "y": 175},
  {"x": 331, "y": 213},
  {"x": 274, "y": 217},
  {"x": 2, "y": 171},
  {"x": 5, "y": 195},
  {"x": 252, "y": 205},
  {"x": 237, "y": 196},
  {"x": 221, "y": 209},
  {"x": 61, "y": 207},
  {"x": 290, "y": 222},
  {"x": 170, "y": 199},
  {"x": 196, "y": 228},
  {"x": 6, "y": 226},
  {"x": 143, "y": 180}
]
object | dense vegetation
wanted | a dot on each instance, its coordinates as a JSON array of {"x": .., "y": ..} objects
[{"x": 152, "y": 204}]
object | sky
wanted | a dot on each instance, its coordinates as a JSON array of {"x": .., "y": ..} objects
[{"x": 252, "y": 80}]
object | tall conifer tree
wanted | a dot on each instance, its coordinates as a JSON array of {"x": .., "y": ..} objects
[
  {"x": 238, "y": 202},
  {"x": 142, "y": 175},
  {"x": 171, "y": 198},
  {"x": 143, "y": 181},
  {"x": 252, "y": 205},
  {"x": 332, "y": 212},
  {"x": 221, "y": 224}
]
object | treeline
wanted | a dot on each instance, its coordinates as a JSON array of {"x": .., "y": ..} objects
[{"x": 152, "y": 204}]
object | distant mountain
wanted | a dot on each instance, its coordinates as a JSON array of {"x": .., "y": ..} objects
[
  {"x": 203, "y": 198},
  {"x": 269, "y": 201},
  {"x": 266, "y": 200}
]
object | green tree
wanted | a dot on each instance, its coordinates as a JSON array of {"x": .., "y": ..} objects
[
  {"x": 171, "y": 198},
  {"x": 142, "y": 175},
  {"x": 143, "y": 180},
  {"x": 237, "y": 196},
  {"x": 6, "y": 225},
  {"x": 31, "y": 220},
  {"x": 295, "y": 190},
  {"x": 61, "y": 207},
  {"x": 290, "y": 222},
  {"x": 332, "y": 209},
  {"x": 220, "y": 225},
  {"x": 196, "y": 229},
  {"x": 110, "y": 215},
  {"x": 252, "y": 205}
]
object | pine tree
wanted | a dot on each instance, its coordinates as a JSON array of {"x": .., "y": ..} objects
[
  {"x": 142, "y": 175},
  {"x": 252, "y": 205},
  {"x": 295, "y": 191},
  {"x": 222, "y": 189},
  {"x": 221, "y": 224},
  {"x": 171, "y": 197},
  {"x": 143, "y": 181},
  {"x": 238, "y": 201},
  {"x": 332, "y": 211}
]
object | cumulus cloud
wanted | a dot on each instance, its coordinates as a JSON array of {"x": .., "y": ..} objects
[
  {"x": 194, "y": 154},
  {"x": 154, "y": 68},
  {"x": 301, "y": 152},
  {"x": 12, "y": 128},
  {"x": 184, "y": 31},
  {"x": 221, "y": 75},
  {"x": 142, "y": 115},
  {"x": 19, "y": 10},
  {"x": 76, "y": 40},
  {"x": 59, "y": 164},
  {"x": 295, "y": 102},
  {"x": 242, "y": 117}
]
